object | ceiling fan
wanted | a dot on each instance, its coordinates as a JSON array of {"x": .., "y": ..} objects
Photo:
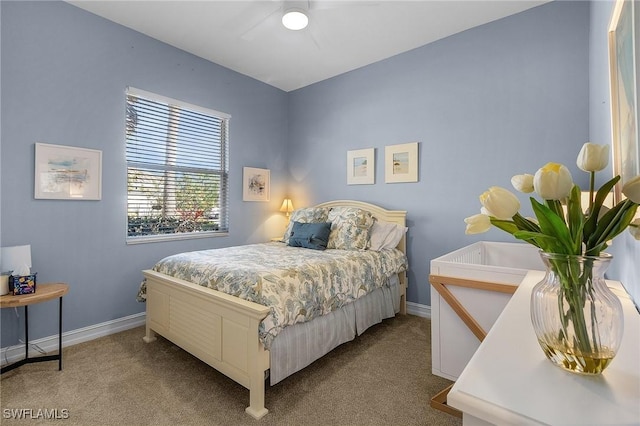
[{"x": 291, "y": 15}]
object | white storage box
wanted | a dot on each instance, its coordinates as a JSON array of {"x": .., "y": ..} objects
[{"x": 502, "y": 264}]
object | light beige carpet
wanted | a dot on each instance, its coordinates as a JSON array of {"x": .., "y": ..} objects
[{"x": 381, "y": 378}]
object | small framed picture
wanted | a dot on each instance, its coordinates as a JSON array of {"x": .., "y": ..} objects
[
  {"x": 255, "y": 184},
  {"x": 67, "y": 173},
  {"x": 401, "y": 163},
  {"x": 361, "y": 167}
]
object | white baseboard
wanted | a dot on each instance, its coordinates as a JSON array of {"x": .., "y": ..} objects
[
  {"x": 73, "y": 337},
  {"x": 419, "y": 310}
]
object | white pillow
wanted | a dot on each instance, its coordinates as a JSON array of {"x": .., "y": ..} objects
[{"x": 385, "y": 235}]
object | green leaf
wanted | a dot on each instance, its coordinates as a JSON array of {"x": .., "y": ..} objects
[
  {"x": 552, "y": 225},
  {"x": 611, "y": 224},
  {"x": 575, "y": 218},
  {"x": 596, "y": 250},
  {"x": 505, "y": 225},
  {"x": 525, "y": 224},
  {"x": 592, "y": 222},
  {"x": 556, "y": 207},
  {"x": 538, "y": 239}
]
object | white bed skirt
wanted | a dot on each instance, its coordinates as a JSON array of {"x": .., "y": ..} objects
[{"x": 299, "y": 345}]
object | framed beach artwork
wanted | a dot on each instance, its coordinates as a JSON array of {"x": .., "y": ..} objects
[
  {"x": 401, "y": 163},
  {"x": 255, "y": 184},
  {"x": 624, "y": 73},
  {"x": 361, "y": 167},
  {"x": 67, "y": 173}
]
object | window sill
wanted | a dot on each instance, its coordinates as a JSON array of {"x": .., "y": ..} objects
[{"x": 174, "y": 237}]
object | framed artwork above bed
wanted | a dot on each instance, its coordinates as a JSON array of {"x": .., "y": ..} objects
[
  {"x": 361, "y": 167},
  {"x": 401, "y": 163},
  {"x": 255, "y": 184}
]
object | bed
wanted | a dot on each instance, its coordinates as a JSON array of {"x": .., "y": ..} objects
[{"x": 248, "y": 341}]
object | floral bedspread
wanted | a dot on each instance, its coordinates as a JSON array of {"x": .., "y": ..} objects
[{"x": 298, "y": 284}]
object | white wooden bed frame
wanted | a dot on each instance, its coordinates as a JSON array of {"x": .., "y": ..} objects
[{"x": 231, "y": 343}]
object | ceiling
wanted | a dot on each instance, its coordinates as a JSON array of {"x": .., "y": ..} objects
[{"x": 247, "y": 35}]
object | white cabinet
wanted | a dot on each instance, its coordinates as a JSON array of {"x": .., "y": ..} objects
[
  {"x": 478, "y": 280},
  {"x": 510, "y": 381}
]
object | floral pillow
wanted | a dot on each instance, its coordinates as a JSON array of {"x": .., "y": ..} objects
[
  {"x": 306, "y": 215},
  {"x": 350, "y": 228}
]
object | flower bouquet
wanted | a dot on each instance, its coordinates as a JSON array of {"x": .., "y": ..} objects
[{"x": 577, "y": 319}]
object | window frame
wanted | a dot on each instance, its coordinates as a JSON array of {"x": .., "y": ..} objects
[{"x": 223, "y": 171}]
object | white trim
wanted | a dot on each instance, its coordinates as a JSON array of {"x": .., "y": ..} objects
[
  {"x": 73, "y": 337},
  {"x": 176, "y": 102},
  {"x": 85, "y": 334},
  {"x": 172, "y": 237},
  {"x": 418, "y": 309}
]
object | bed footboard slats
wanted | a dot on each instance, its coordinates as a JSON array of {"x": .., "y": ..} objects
[
  {"x": 200, "y": 330},
  {"x": 219, "y": 329}
]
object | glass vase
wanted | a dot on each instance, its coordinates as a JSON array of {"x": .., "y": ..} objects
[{"x": 577, "y": 318}]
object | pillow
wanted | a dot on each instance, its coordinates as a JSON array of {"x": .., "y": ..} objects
[
  {"x": 310, "y": 235},
  {"x": 350, "y": 227},
  {"x": 306, "y": 215},
  {"x": 385, "y": 235}
]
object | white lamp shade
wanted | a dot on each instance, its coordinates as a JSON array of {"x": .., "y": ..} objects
[
  {"x": 14, "y": 258},
  {"x": 287, "y": 206}
]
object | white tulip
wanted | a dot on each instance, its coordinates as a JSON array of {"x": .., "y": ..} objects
[
  {"x": 523, "y": 183},
  {"x": 500, "y": 203},
  {"x": 553, "y": 181},
  {"x": 593, "y": 157},
  {"x": 631, "y": 189},
  {"x": 477, "y": 224}
]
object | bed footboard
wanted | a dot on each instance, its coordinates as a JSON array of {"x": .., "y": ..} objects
[{"x": 217, "y": 328}]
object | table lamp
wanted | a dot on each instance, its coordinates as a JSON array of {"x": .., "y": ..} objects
[{"x": 287, "y": 206}]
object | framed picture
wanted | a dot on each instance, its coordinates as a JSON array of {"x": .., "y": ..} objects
[
  {"x": 67, "y": 173},
  {"x": 361, "y": 167},
  {"x": 624, "y": 62},
  {"x": 255, "y": 184},
  {"x": 401, "y": 163}
]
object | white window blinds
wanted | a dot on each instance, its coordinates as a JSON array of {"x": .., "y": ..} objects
[{"x": 177, "y": 168}]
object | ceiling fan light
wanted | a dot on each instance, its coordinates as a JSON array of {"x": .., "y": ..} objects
[{"x": 294, "y": 19}]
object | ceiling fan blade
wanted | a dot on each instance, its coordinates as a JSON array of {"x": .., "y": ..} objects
[
  {"x": 252, "y": 15},
  {"x": 313, "y": 39},
  {"x": 269, "y": 21},
  {"x": 335, "y": 4}
]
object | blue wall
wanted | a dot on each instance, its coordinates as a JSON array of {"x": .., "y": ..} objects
[
  {"x": 486, "y": 104},
  {"x": 64, "y": 74}
]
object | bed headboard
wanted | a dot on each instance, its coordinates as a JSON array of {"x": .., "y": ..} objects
[{"x": 393, "y": 216}]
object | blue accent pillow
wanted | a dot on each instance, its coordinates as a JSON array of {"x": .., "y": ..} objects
[{"x": 310, "y": 235}]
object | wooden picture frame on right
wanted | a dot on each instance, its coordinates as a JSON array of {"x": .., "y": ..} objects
[{"x": 624, "y": 73}]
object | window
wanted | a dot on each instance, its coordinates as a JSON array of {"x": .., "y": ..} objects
[{"x": 177, "y": 169}]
